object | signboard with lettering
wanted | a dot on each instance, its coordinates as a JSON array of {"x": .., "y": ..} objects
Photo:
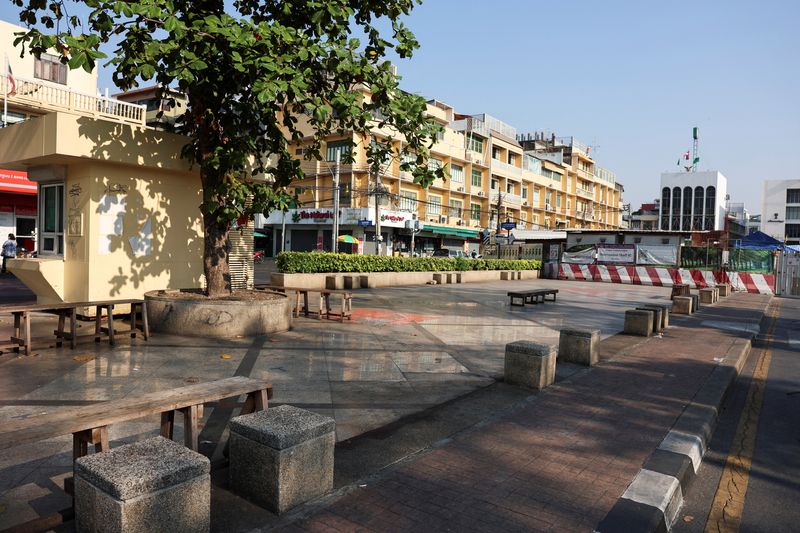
[
  {"x": 616, "y": 254},
  {"x": 508, "y": 225},
  {"x": 16, "y": 182}
]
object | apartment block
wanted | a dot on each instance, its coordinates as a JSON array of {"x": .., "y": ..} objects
[{"x": 780, "y": 210}]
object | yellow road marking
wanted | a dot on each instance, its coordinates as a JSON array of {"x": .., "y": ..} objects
[{"x": 726, "y": 511}]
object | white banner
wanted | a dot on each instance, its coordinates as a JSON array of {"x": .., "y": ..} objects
[
  {"x": 616, "y": 254},
  {"x": 584, "y": 257},
  {"x": 657, "y": 254}
]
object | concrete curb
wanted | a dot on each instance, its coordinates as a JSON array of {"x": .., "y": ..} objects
[{"x": 654, "y": 497}]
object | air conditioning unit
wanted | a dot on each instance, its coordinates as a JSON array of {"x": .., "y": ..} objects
[
  {"x": 478, "y": 161},
  {"x": 524, "y": 204},
  {"x": 443, "y": 219},
  {"x": 461, "y": 189},
  {"x": 481, "y": 193}
]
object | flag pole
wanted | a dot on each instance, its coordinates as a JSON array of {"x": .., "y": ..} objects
[{"x": 5, "y": 90}]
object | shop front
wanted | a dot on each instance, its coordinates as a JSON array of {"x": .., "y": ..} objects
[
  {"x": 18, "y": 209},
  {"x": 433, "y": 237}
]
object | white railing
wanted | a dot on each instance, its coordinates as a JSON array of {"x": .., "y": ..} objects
[
  {"x": 506, "y": 168},
  {"x": 586, "y": 193},
  {"x": 49, "y": 97}
]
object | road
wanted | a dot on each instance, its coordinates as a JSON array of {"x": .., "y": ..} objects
[{"x": 750, "y": 477}]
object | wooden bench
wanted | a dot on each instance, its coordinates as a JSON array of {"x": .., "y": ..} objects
[
  {"x": 68, "y": 311},
  {"x": 325, "y": 309},
  {"x": 531, "y": 297},
  {"x": 89, "y": 424}
]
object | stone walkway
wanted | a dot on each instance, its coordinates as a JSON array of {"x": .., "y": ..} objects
[{"x": 559, "y": 462}]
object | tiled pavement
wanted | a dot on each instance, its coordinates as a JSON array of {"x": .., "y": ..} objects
[{"x": 560, "y": 462}]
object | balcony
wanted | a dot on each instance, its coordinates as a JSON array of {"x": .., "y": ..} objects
[
  {"x": 585, "y": 193},
  {"x": 45, "y": 97},
  {"x": 506, "y": 169},
  {"x": 471, "y": 124},
  {"x": 507, "y": 198}
]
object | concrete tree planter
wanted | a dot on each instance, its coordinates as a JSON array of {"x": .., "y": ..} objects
[{"x": 177, "y": 313}]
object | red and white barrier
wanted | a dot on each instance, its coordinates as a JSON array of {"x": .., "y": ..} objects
[{"x": 664, "y": 277}]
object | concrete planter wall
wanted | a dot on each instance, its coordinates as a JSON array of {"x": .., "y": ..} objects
[
  {"x": 386, "y": 279},
  {"x": 217, "y": 318}
]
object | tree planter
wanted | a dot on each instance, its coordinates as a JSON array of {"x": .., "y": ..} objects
[{"x": 171, "y": 311}]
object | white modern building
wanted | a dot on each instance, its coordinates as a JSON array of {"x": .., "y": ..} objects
[
  {"x": 780, "y": 210},
  {"x": 693, "y": 201}
]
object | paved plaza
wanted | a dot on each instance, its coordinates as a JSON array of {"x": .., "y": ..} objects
[{"x": 422, "y": 361}]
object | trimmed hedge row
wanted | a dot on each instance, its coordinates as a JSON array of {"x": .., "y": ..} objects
[{"x": 315, "y": 262}]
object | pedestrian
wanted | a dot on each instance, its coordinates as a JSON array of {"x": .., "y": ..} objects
[{"x": 9, "y": 250}]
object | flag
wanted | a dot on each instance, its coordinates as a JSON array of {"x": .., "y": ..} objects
[
  {"x": 686, "y": 155},
  {"x": 12, "y": 82}
]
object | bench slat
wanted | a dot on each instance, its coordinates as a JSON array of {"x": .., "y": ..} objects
[{"x": 75, "y": 419}]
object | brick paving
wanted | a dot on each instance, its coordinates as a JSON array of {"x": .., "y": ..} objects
[{"x": 559, "y": 462}]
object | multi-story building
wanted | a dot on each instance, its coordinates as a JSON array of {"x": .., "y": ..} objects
[
  {"x": 161, "y": 112},
  {"x": 494, "y": 177},
  {"x": 644, "y": 218},
  {"x": 693, "y": 201},
  {"x": 780, "y": 210}
]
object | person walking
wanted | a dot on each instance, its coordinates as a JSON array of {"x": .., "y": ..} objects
[{"x": 9, "y": 250}]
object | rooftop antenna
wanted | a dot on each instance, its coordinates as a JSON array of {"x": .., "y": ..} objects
[{"x": 695, "y": 148}]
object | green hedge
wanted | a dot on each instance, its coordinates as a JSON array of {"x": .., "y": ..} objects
[{"x": 314, "y": 262}]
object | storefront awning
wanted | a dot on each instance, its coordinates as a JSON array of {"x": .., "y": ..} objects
[
  {"x": 457, "y": 232},
  {"x": 259, "y": 234},
  {"x": 16, "y": 182}
]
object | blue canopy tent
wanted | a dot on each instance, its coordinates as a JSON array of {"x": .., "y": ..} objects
[{"x": 760, "y": 241}]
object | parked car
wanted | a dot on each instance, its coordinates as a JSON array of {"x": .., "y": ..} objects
[{"x": 444, "y": 252}]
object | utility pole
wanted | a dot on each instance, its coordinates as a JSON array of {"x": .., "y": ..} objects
[
  {"x": 335, "y": 233},
  {"x": 497, "y": 232},
  {"x": 377, "y": 211}
]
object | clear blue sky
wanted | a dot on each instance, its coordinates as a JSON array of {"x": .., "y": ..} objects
[{"x": 631, "y": 77}]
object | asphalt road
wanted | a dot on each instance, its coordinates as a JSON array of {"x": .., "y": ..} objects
[{"x": 750, "y": 478}]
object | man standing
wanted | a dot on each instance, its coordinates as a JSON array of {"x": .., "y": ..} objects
[{"x": 9, "y": 250}]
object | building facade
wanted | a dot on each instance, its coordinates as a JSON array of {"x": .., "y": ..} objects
[
  {"x": 693, "y": 201},
  {"x": 496, "y": 177},
  {"x": 644, "y": 218},
  {"x": 780, "y": 210}
]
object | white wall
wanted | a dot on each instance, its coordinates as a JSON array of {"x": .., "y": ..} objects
[
  {"x": 78, "y": 80},
  {"x": 773, "y": 201},
  {"x": 703, "y": 179}
]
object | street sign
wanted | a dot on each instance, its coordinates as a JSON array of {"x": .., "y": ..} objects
[
  {"x": 508, "y": 225},
  {"x": 364, "y": 222}
]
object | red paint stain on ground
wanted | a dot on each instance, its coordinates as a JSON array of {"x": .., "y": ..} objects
[{"x": 385, "y": 315}]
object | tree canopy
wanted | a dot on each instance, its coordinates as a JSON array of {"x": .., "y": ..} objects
[{"x": 251, "y": 70}]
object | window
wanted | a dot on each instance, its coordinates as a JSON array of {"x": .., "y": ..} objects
[
  {"x": 434, "y": 164},
  {"x": 475, "y": 144},
  {"x": 495, "y": 153},
  {"x": 434, "y": 205},
  {"x": 524, "y": 192},
  {"x": 457, "y": 173},
  {"x": 555, "y": 176},
  {"x": 340, "y": 148},
  {"x": 536, "y": 196},
  {"x": 711, "y": 207},
  {"x": 510, "y": 188},
  {"x": 687, "y": 209},
  {"x": 523, "y": 219},
  {"x": 387, "y": 160},
  {"x": 793, "y": 231},
  {"x": 495, "y": 184},
  {"x": 440, "y": 135},
  {"x": 665, "y": 197},
  {"x": 792, "y": 213},
  {"x": 408, "y": 201},
  {"x": 547, "y": 200},
  {"x": 793, "y": 196},
  {"x": 475, "y": 212},
  {"x": 558, "y": 200},
  {"x": 49, "y": 67},
  {"x": 512, "y": 158},
  {"x": 51, "y": 219},
  {"x": 455, "y": 208},
  {"x": 477, "y": 178}
]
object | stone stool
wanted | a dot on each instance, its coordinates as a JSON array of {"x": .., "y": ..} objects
[
  {"x": 682, "y": 305},
  {"x": 333, "y": 283},
  {"x": 579, "y": 345},
  {"x": 724, "y": 290},
  {"x": 282, "y": 457},
  {"x": 366, "y": 282},
  {"x": 438, "y": 278},
  {"x": 351, "y": 282},
  {"x": 638, "y": 322},
  {"x": 459, "y": 277},
  {"x": 716, "y": 294},
  {"x": 506, "y": 275},
  {"x": 665, "y": 308},
  {"x": 530, "y": 364},
  {"x": 706, "y": 295},
  {"x": 657, "y": 311},
  {"x": 695, "y": 302},
  {"x": 450, "y": 277},
  {"x": 151, "y": 485}
]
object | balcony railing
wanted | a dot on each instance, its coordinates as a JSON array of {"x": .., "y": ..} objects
[
  {"x": 586, "y": 193},
  {"x": 43, "y": 96},
  {"x": 507, "y": 198},
  {"x": 507, "y": 169}
]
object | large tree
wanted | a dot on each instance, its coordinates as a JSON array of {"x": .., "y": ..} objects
[{"x": 250, "y": 69}]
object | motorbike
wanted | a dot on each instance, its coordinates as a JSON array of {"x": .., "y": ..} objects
[{"x": 258, "y": 256}]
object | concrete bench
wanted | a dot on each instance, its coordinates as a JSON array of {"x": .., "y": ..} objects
[
  {"x": 682, "y": 305},
  {"x": 68, "y": 312},
  {"x": 657, "y": 313},
  {"x": 530, "y": 364},
  {"x": 151, "y": 485},
  {"x": 578, "y": 345},
  {"x": 639, "y": 322},
  {"x": 707, "y": 296},
  {"x": 282, "y": 457},
  {"x": 695, "y": 302},
  {"x": 724, "y": 289}
]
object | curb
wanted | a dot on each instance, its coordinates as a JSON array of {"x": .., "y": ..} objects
[{"x": 652, "y": 500}]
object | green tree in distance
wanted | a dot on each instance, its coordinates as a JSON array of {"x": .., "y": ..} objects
[{"x": 250, "y": 69}]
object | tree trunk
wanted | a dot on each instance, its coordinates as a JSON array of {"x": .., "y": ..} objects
[{"x": 215, "y": 257}]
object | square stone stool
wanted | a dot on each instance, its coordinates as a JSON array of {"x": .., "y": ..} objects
[
  {"x": 366, "y": 282},
  {"x": 151, "y": 485},
  {"x": 665, "y": 309},
  {"x": 638, "y": 322},
  {"x": 579, "y": 345},
  {"x": 695, "y": 302},
  {"x": 351, "y": 282},
  {"x": 724, "y": 290},
  {"x": 682, "y": 305},
  {"x": 657, "y": 312},
  {"x": 281, "y": 457},
  {"x": 716, "y": 294},
  {"x": 530, "y": 364}
]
